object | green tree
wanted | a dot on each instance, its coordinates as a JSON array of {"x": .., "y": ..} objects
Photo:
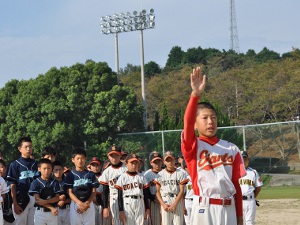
[
  {"x": 151, "y": 69},
  {"x": 175, "y": 57}
]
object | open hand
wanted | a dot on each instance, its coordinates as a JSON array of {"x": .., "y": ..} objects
[{"x": 198, "y": 82}]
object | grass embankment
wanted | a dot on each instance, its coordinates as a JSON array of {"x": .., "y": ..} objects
[{"x": 279, "y": 192}]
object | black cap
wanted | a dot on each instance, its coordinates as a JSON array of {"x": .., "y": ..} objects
[
  {"x": 114, "y": 149},
  {"x": 154, "y": 155},
  {"x": 169, "y": 154},
  {"x": 132, "y": 157},
  {"x": 245, "y": 154},
  {"x": 95, "y": 160}
]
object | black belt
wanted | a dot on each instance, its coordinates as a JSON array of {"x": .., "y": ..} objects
[
  {"x": 133, "y": 196},
  {"x": 44, "y": 209},
  {"x": 247, "y": 197},
  {"x": 65, "y": 206},
  {"x": 171, "y": 195},
  {"x": 190, "y": 199}
]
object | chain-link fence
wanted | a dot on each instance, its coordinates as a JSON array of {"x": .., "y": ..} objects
[{"x": 273, "y": 147}]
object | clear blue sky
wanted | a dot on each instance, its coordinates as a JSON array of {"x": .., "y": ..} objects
[{"x": 36, "y": 35}]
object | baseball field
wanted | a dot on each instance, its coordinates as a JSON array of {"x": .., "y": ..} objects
[
  {"x": 279, "y": 202},
  {"x": 278, "y": 212}
]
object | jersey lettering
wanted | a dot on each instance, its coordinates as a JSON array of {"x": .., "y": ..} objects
[
  {"x": 26, "y": 174},
  {"x": 170, "y": 182},
  {"x": 132, "y": 186},
  {"x": 209, "y": 162},
  {"x": 246, "y": 182},
  {"x": 82, "y": 182}
]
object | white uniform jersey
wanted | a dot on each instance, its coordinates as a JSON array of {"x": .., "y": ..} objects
[
  {"x": 150, "y": 176},
  {"x": 249, "y": 182},
  {"x": 110, "y": 176},
  {"x": 132, "y": 184},
  {"x": 189, "y": 193},
  {"x": 170, "y": 182},
  {"x": 215, "y": 168}
]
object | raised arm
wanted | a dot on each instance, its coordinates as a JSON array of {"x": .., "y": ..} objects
[{"x": 198, "y": 83}]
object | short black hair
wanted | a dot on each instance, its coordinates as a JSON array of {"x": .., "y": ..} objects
[
  {"x": 23, "y": 139},
  {"x": 57, "y": 163},
  {"x": 3, "y": 162},
  {"x": 44, "y": 161},
  {"x": 205, "y": 105},
  {"x": 48, "y": 151},
  {"x": 78, "y": 151}
]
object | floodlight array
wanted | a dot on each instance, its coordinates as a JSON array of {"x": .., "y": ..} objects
[{"x": 122, "y": 22}]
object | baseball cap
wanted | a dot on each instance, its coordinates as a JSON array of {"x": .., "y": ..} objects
[
  {"x": 132, "y": 157},
  {"x": 154, "y": 155},
  {"x": 245, "y": 154},
  {"x": 169, "y": 154},
  {"x": 95, "y": 160},
  {"x": 114, "y": 149}
]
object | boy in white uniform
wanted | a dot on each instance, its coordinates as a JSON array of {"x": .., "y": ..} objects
[
  {"x": 133, "y": 194},
  {"x": 170, "y": 190},
  {"x": 250, "y": 185},
  {"x": 156, "y": 161},
  {"x": 108, "y": 179}
]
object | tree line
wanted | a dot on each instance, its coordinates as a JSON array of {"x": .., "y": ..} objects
[{"x": 83, "y": 104}]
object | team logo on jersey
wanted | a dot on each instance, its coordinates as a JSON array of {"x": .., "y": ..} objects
[
  {"x": 26, "y": 174},
  {"x": 209, "y": 162},
  {"x": 82, "y": 182}
]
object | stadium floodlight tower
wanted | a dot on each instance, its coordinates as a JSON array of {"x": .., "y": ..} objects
[
  {"x": 139, "y": 21},
  {"x": 113, "y": 25},
  {"x": 142, "y": 21}
]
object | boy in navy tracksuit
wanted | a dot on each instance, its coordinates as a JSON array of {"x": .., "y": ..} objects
[
  {"x": 82, "y": 210},
  {"x": 20, "y": 175}
]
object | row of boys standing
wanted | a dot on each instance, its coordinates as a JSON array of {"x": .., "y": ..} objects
[
  {"x": 128, "y": 197},
  {"x": 126, "y": 194}
]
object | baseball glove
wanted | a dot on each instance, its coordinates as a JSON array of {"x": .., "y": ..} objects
[
  {"x": 47, "y": 193},
  {"x": 22, "y": 199},
  {"x": 82, "y": 192}
]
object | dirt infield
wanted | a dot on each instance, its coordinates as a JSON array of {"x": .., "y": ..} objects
[{"x": 278, "y": 212}]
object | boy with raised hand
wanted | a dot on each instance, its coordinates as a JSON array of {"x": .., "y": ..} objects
[
  {"x": 170, "y": 185},
  {"x": 108, "y": 179},
  {"x": 81, "y": 185},
  {"x": 20, "y": 175},
  {"x": 46, "y": 191},
  {"x": 132, "y": 193},
  {"x": 156, "y": 161},
  {"x": 215, "y": 165},
  {"x": 64, "y": 203}
]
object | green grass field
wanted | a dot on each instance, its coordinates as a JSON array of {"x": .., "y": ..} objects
[{"x": 279, "y": 192}]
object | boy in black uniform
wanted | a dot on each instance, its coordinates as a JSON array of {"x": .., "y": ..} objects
[
  {"x": 46, "y": 191},
  {"x": 63, "y": 205},
  {"x": 81, "y": 185},
  {"x": 20, "y": 175}
]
